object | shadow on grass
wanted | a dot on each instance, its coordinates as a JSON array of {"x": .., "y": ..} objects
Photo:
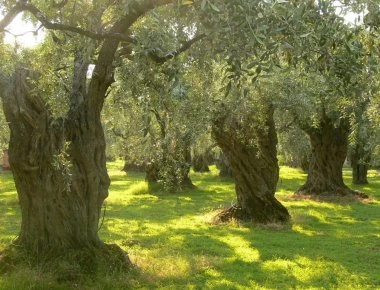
[
  {"x": 169, "y": 238},
  {"x": 328, "y": 245}
]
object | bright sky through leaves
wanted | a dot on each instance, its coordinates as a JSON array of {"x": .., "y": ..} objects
[{"x": 25, "y": 31}]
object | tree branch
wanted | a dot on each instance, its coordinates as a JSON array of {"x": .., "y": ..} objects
[
  {"x": 21, "y": 6},
  {"x": 185, "y": 46},
  {"x": 8, "y": 18},
  {"x": 22, "y": 34}
]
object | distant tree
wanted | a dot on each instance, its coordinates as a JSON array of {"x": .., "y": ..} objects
[
  {"x": 322, "y": 92},
  {"x": 293, "y": 144}
]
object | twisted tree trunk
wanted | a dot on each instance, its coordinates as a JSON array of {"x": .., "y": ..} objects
[
  {"x": 254, "y": 167},
  {"x": 329, "y": 145},
  {"x": 59, "y": 168},
  {"x": 59, "y": 165}
]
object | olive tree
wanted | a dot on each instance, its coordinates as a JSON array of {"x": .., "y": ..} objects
[{"x": 59, "y": 164}]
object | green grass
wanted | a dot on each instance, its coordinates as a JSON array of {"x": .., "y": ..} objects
[{"x": 171, "y": 240}]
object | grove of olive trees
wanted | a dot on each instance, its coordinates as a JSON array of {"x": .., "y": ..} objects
[{"x": 162, "y": 80}]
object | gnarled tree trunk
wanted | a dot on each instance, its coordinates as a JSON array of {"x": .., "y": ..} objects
[
  {"x": 329, "y": 144},
  {"x": 60, "y": 173},
  {"x": 254, "y": 167}
]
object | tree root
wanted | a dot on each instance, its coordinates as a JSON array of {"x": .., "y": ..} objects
[
  {"x": 68, "y": 264},
  {"x": 236, "y": 213},
  {"x": 334, "y": 194}
]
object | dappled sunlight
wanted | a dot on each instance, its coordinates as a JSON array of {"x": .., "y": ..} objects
[
  {"x": 171, "y": 239},
  {"x": 308, "y": 232},
  {"x": 289, "y": 181},
  {"x": 242, "y": 248},
  {"x": 314, "y": 271}
]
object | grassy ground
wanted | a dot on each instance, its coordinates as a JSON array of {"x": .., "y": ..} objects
[{"x": 170, "y": 239}]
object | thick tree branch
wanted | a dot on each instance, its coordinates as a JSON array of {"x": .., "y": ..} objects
[
  {"x": 141, "y": 8},
  {"x": 12, "y": 13},
  {"x": 24, "y": 33}
]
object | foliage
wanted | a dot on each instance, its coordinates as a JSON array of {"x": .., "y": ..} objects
[
  {"x": 173, "y": 245},
  {"x": 157, "y": 107},
  {"x": 293, "y": 144}
]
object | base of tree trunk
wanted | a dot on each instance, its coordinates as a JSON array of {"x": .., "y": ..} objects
[
  {"x": 186, "y": 184},
  {"x": 68, "y": 264},
  {"x": 341, "y": 191},
  {"x": 235, "y": 212},
  {"x": 135, "y": 167}
]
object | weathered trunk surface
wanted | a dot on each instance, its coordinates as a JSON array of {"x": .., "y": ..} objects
[
  {"x": 359, "y": 164},
  {"x": 255, "y": 169},
  {"x": 329, "y": 146}
]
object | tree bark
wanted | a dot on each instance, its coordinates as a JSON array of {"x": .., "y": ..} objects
[
  {"x": 329, "y": 145},
  {"x": 254, "y": 167},
  {"x": 171, "y": 166}
]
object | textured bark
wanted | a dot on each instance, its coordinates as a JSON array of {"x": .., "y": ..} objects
[
  {"x": 360, "y": 159},
  {"x": 329, "y": 145},
  {"x": 255, "y": 169},
  {"x": 174, "y": 172}
]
